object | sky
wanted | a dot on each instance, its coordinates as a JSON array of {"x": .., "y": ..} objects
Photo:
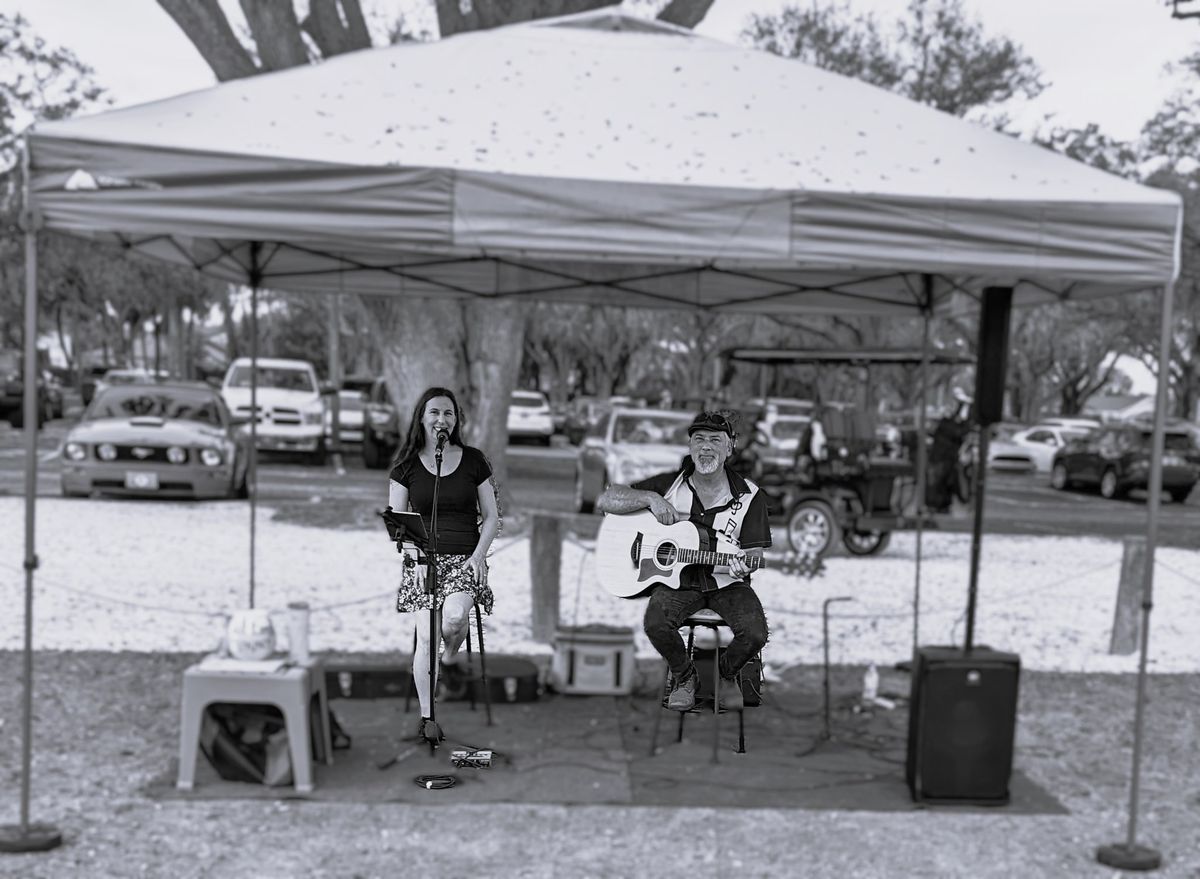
[{"x": 1103, "y": 59}]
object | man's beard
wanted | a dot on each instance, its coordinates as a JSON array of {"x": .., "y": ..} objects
[{"x": 708, "y": 464}]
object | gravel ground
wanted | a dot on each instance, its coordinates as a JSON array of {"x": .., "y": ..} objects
[{"x": 155, "y": 580}]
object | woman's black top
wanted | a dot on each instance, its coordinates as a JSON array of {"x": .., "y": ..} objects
[{"x": 458, "y": 499}]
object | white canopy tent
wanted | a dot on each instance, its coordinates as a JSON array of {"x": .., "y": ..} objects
[{"x": 612, "y": 159}]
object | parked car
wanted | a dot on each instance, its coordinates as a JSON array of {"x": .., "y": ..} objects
[
  {"x": 351, "y": 415},
  {"x": 1081, "y": 422},
  {"x": 529, "y": 417},
  {"x": 12, "y": 391},
  {"x": 291, "y": 405},
  {"x": 114, "y": 377},
  {"x": 89, "y": 379},
  {"x": 582, "y": 413},
  {"x": 165, "y": 440},
  {"x": 1116, "y": 459},
  {"x": 1004, "y": 453},
  {"x": 1041, "y": 442},
  {"x": 773, "y": 407},
  {"x": 628, "y": 445},
  {"x": 381, "y": 427}
]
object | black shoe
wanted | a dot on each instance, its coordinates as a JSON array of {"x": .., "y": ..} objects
[
  {"x": 683, "y": 691},
  {"x": 429, "y": 731}
]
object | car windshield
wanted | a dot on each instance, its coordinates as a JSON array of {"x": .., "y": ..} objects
[
  {"x": 283, "y": 378},
  {"x": 527, "y": 401},
  {"x": 641, "y": 429},
  {"x": 1172, "y": 442},
  {"x": 175, "y": 403},
  {"x": 788, "y": 429}
]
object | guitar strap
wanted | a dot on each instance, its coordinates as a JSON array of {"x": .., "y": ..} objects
[{"x": 728, "y": 521}]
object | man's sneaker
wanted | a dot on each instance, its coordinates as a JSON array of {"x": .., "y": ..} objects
[
  {"x": 731, "y": 695},
  {"x": 683, "y": 693}
]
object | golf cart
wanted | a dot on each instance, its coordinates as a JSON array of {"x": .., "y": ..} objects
[{"x": 857, "y": 490}]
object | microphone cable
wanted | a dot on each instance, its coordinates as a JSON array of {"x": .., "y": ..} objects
[{"x": 436, "y": 782}]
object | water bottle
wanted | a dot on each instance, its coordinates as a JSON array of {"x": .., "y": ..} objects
[{"x": 870, "y": 684}]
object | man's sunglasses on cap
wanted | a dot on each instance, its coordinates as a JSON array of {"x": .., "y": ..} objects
[{"x": 711, "y": 421}]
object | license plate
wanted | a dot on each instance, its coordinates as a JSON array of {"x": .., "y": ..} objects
[{"x": 141, "y": 480}]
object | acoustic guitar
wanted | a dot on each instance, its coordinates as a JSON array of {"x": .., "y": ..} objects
[{"x": 634, "y": 551}]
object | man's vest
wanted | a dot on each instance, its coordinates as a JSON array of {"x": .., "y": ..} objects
[{"x": 728, "y": 522}]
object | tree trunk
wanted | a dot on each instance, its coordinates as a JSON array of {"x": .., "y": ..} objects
[
  {"x": 205, "y": 25},
  {"x": 494, "y": 330},
  {"x": 420, "y": 341}
]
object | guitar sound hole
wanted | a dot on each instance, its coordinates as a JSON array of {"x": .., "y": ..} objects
[{"x": 665, "y": 554}]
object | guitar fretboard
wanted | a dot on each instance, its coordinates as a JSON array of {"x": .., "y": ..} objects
[{"x": 703, "y": 557}]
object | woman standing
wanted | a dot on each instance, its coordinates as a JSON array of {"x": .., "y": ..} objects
[{"x": 467, "y": 521}]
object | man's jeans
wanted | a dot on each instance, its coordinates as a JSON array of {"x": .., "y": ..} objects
[{"x": 737, "y": 605}]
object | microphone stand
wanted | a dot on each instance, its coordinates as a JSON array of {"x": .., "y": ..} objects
[{"x": 433, "y": 733}]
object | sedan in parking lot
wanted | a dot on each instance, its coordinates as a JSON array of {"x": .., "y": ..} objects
[
  {"x": 1042, "y": 441},
  {"x": 529, "y": 417},
  {"x": 163, "y": 440},
  {"x": 1116, "y": 459},
  {"x": 626, "y": 446}
]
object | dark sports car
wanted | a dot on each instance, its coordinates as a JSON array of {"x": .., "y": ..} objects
[{"x": 162, "y": 440}]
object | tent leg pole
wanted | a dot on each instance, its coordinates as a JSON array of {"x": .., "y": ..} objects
[
  {"x": 26, "y": 836},
  {"x": 922, "y": 463},
  {"x": 255, "y": 281},
  {"x": 1129, "y": 855}
]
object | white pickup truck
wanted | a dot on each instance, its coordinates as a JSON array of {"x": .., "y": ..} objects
[{"x": 291, "y": 406}]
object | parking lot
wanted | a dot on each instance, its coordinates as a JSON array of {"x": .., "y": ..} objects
[{"x": 543, "y": 478}]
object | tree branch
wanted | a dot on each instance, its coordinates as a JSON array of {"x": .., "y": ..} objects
[
  {"x": 276, "y": 33},
  {"x": 485, "y": 14},
  {"x": 206, "y": 26},
  {"x": 685, "y": 13},
  {"x": 324, "y": 25}
]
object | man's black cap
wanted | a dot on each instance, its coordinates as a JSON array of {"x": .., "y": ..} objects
[{"x": 711, "y": 421}]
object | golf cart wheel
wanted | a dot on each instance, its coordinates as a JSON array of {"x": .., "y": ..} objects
[
  {"x": 812, "y": 529},
  {"x": 1058, "y": 477},
  {"x": 1108, "y": 484},
  {"x": 866, "y": 542}
]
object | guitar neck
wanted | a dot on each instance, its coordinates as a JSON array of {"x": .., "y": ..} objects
[{"x": 721, "y": 559}]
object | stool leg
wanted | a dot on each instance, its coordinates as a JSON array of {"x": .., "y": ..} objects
[
  {"x": 716, "y": 694},
  {"x": 326, "y": 728},
  {"x": 487, "y": 690},
  {"x": 659, "y": 712},
  {"x": 741, "y": 732},
  {"x": 296, "y": 718},
  {"x": 191, "y": 716}
]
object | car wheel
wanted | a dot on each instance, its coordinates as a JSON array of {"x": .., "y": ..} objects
[
  {"x": 866, "y": 542},
  {"x": 1180, "y": 495},
  {"x": 1059, "y": 478},
  {"x": 582, "y": 504},
  {"x": 1108, "y": 484},
  {"x": 318, "y": 458},
  {"x": 812, "y": 529}
]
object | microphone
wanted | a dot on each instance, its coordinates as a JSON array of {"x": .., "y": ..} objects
[{"x": 442, "y": 436}]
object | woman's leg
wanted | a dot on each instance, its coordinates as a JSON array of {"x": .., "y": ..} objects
[
  {"x": 420, "y": 663},
  {"x": 456, "y": 615}
]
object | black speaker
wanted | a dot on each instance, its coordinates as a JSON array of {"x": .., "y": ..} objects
[
  {"x": 992, "y": 362},
  {"x": 961, "y": 725}
]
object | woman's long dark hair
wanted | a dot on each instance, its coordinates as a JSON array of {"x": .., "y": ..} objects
[{"x": 415, "y": 440}]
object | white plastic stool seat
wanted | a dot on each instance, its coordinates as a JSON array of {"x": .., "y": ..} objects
[{"x": 291, "y": 689}]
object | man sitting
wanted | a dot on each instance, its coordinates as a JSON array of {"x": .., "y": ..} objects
[{"x": 718, "y": 501}]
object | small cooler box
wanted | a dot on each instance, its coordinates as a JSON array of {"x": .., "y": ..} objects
[{"x": 594, "y": 660}]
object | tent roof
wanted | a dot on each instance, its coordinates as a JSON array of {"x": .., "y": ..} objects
[{"x": 597, "y": 153}]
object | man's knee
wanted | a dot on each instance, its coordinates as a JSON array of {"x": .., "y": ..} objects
[
  {"x": 655, "y": 621},
  {"x": 755, "y": 634}
]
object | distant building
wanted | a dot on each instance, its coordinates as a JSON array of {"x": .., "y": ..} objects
[{"x": 1119, "y": 407}]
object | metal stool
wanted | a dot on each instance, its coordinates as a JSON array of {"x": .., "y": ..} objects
[
  {"x": 487, "y": 693},
  {"x": 708, "y": 619}
]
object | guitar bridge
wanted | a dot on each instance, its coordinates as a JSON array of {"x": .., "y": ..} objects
[{"x": 635, "y": 550}]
